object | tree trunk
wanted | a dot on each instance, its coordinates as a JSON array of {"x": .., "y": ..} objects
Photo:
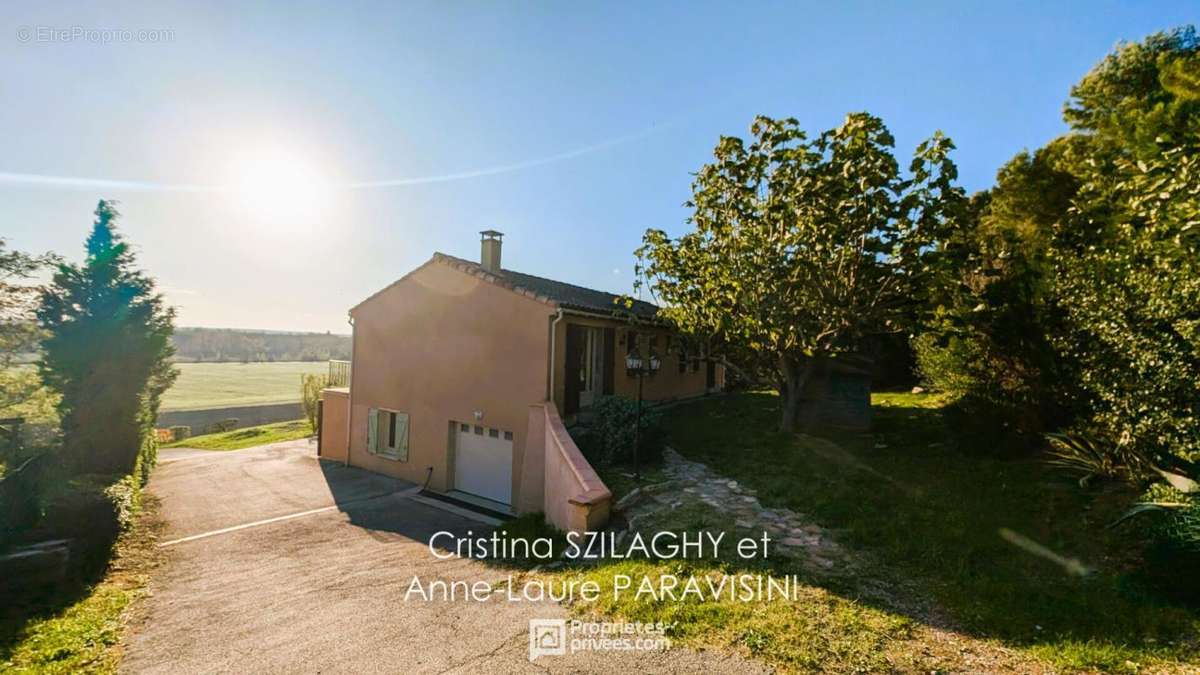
[{"x": 793, "y": 378}]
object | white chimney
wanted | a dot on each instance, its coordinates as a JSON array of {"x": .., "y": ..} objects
[{"x": 489, "y": 250}]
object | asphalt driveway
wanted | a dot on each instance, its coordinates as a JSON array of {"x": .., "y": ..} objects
[{"x": 319, "y": 586}]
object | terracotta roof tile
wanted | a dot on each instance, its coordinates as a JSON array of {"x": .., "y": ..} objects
[{"x": 563, "y": 294}]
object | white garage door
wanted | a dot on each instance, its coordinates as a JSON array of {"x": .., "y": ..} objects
[{"x": 483, "y": 462}]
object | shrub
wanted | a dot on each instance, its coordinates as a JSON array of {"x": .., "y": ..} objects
[
  {"x": 224, "y": 425},
  {"x": 986, "y": 399},
  {"x": 609, "y": 436},
  {"x": 310, "y": 396},
  {"x": 125, "y": 496},
  {"x": 944, "y": 367},
  {"x": 90, "y": 508},
  {"x": 147, "y": 458},
  {"x": 1175, "y": 516},
  {"x": 20, "y": 497}
]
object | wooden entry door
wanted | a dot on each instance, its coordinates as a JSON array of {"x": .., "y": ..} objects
[{"x": 589, "y": 366}]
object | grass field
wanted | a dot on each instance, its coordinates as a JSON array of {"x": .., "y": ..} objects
[
  {"x": 218, "y": 385},
  {"x": 245, "y": 438}
]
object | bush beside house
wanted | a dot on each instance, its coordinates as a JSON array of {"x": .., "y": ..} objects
[{"x": 608, "y": 437}]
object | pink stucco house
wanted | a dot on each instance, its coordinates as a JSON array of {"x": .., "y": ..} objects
[{"x": 463, "y": 372}]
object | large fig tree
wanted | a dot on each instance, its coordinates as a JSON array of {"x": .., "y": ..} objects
[{"x": 801, "y": 247}]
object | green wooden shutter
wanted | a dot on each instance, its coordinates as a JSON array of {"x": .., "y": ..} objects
[
  {"x": 402, "y": 436},
  {"x": 373, "y": 430}
]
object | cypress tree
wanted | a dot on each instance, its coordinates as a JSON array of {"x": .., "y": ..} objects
[{"x": 106, "y": 350}]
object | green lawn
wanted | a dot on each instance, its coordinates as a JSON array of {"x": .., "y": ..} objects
[
  {"x": 824, "y": 629},
  {"x": 927, "y": 516},
  {"x": 247, "y": 437},
  {"x": 78, "y": 630},
  {"x": 218, "y": 385}
]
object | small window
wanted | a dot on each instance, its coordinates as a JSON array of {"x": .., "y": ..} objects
[
  {"x": 387, "y": 433},
  {"x": 508, "y": 435},
  {"x": 478, "y": 430},
  {"x": 464, "y": 427},
  {"x": 494, "y": 433}
]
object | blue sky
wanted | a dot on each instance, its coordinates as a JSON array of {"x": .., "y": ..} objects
[{"x": 585, "y": 121}]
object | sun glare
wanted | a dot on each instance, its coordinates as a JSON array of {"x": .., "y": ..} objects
[{"x": 274, "y": 188}]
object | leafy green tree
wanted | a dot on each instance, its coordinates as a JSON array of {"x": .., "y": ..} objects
[
  {"x": 1138, "y": 97},
  {"x": 1133, "y": 298},
  {"x": 802, "y": 247},
  {"x": 1075, "y": 295},
  {"x": 18, "y": 328},
  {"x": 1127, "y": 254},
  {"x": 1072, "y": 297},
  {"x": 987, "y": 338},
  {"x": 107, "y": 351}
]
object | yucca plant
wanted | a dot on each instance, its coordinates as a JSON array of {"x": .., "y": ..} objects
[
  {"x": 1084, "y": 454},
  {"x": 1176, "y": 513}
]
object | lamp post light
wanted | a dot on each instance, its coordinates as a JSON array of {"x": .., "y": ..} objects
[{"x": 636, "y": 366}]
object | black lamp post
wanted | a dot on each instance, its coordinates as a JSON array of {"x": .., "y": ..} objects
[{"x": 635, "y": 365}]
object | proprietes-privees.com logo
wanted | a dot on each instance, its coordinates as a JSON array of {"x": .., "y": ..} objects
[{"x": 559, "y": 637}]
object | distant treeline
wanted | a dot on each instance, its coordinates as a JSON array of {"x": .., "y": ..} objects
[{"x": 227, "y": 344}]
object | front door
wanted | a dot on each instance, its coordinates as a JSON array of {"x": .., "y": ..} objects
[
  {"x": 591, "y": 366},
  {"x": 587, "y": 366}
]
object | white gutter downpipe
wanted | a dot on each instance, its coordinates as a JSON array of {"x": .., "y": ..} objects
[
  {"x": 553, "y": 344},
  {"x": 350, "y": 396}
]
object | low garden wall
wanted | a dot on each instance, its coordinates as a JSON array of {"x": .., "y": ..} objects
[
  {"x": 246, "y": 415},
  {"x": 556, "y": 478},
  {"x": 335, "y": 423}
]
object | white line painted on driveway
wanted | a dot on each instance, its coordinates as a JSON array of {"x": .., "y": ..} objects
[
  {"x": 244, "y": 526},
  {"x": 410, "y": 493}
]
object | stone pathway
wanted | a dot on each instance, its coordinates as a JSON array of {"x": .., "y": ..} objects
[{"x": 692, "y": 482}]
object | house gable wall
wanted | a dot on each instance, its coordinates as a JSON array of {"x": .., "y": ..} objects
[{"x": 439, "y": 345}]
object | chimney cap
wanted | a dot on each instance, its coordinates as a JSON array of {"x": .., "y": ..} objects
[{"x": 491, "y": 234}]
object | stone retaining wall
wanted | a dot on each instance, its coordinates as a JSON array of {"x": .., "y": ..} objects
[{"x": 247, "y": 416}]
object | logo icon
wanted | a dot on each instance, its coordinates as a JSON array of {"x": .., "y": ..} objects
[{"x": 547, "y": 637}]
